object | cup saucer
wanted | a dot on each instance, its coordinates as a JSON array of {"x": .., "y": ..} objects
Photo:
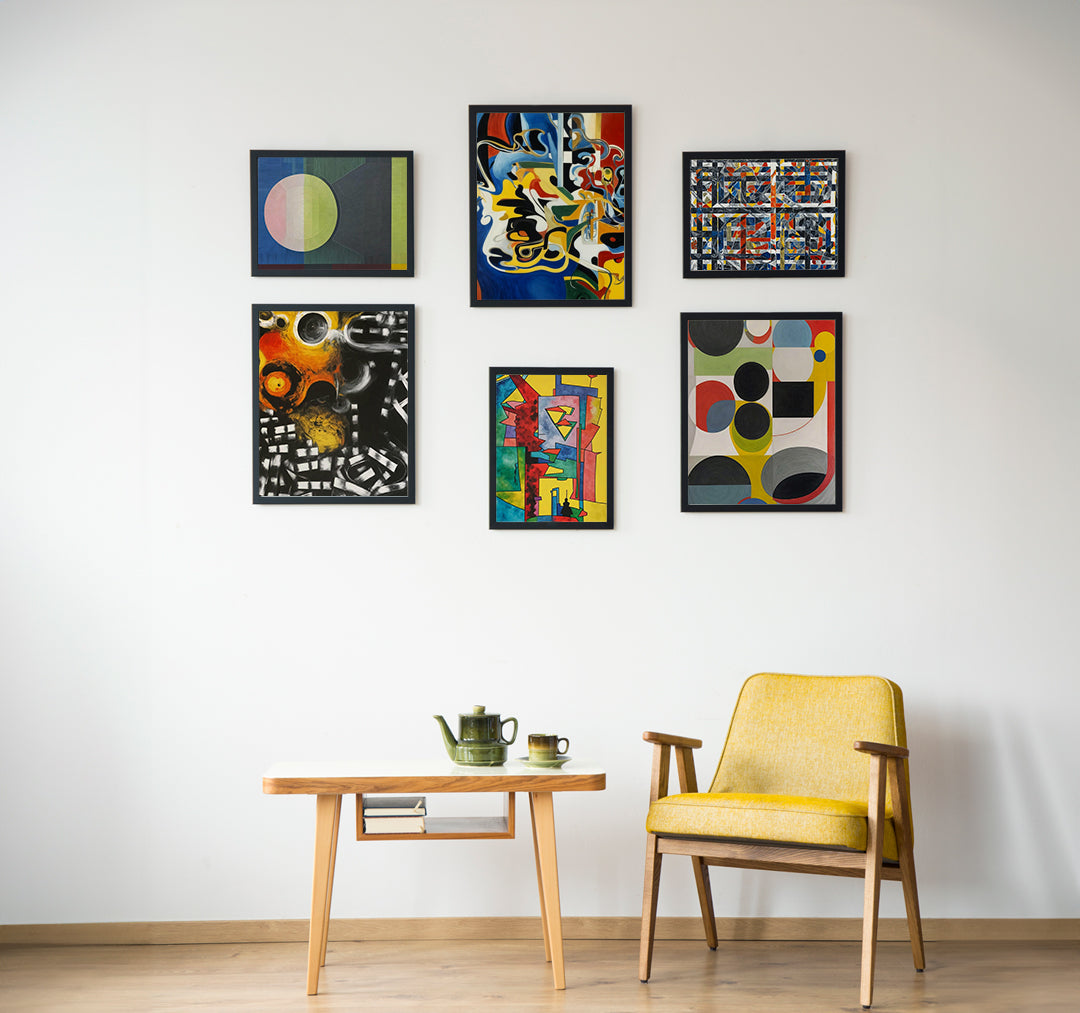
[{"x": 557, "y": 761}]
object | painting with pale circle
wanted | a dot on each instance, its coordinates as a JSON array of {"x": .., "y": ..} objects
[{"x": 331, "y": 213}]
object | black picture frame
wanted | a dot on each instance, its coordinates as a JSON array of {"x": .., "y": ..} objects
[
  {"x": 333, "y": 390},
  {"x": 332, "y": 213},
  {"x": 551, "y": 210},
  {"x": 735, "y": 227},
  {"x": 578, "y": 405},
  {"x": 734, "y": 389}
]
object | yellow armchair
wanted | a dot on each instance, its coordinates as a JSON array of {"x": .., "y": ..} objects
[{"x": 813, "y": 778}]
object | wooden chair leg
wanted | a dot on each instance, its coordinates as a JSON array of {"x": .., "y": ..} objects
[
  {"x": 911, "y": 903},
  {"x": 906, "y": 854},
  {"x": 704, "y": 892},
  {"x": 872, "y": 892},
  {"x": 648, "y": 905}
]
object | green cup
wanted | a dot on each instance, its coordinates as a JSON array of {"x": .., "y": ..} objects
[{"x": 547, "y": 746}]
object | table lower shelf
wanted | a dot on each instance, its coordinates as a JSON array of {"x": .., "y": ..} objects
[{"x": 449, "y": 828}]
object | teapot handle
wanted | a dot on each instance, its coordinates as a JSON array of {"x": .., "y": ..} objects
[{"x": 508, "y": 741}]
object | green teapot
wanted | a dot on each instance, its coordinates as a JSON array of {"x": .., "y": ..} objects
[{"x": 481, "y": 741}]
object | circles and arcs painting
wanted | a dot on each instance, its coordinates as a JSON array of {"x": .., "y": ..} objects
[{"x": 762, "y": 420}]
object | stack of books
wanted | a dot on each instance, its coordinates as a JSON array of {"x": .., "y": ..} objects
[{"x": 392, "y": 814}]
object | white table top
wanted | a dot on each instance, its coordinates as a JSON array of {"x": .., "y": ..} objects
[{"x": 424, "y": 774}]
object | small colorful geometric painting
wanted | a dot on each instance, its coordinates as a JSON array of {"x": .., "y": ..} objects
[
  {"x": 763, "y": 213},
  {"x": 550, "y": 201},
  {"x": 333, "y": 411},
  {"x": 762, "y": 423},
  {"x": 332, "y": 213},
  {"x": 551, "y": 449}
]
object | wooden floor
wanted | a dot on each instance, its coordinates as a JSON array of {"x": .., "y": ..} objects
[{"x": 601, "y": 975}]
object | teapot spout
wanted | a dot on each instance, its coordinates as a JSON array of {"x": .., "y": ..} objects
[{"x": 448, "y": 736}]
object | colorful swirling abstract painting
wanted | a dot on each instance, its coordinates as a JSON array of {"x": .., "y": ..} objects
[
  {"x": 551, "y": 205},
  {"x": 551, "y": 448},
  {"x": 761, "y": 411},
  {"x": 333, "y": 411}
]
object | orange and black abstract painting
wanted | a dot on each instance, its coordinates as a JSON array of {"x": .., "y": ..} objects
[{"x": 333, "y": 412}]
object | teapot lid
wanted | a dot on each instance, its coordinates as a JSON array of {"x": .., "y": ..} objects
[{"x": 478, "y": 709}]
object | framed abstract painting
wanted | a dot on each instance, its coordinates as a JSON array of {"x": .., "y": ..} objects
[
  {"x": 347, "y": 213},
  {"x": 333, "y": 412},
  {"x": 551, "y": 449},
  {"x": 761, "y": 427},
  {"x": 763, "y": 213},
  {"x": 550, "y": 201}
]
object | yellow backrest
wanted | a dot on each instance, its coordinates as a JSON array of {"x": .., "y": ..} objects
[{"x": 792, "y": 735}]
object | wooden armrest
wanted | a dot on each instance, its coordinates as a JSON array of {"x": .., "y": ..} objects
[
  {"x": 663, "y": 739},
  {"x": 684, "y": 762},
  {"x": 881, "y": 748}
]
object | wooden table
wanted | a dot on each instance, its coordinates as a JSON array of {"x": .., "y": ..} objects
[{"x": 329, "y": 781}]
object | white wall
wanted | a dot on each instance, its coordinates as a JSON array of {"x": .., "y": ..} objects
[{"x": 164, "y": 640}]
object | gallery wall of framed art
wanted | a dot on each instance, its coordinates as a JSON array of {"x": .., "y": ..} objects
[{"x": 550, "y": 226}]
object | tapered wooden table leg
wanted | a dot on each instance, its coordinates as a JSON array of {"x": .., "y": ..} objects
[
  {"x": 540, "y": 883},
  {"x": 327, "y": 813},
  {"x": 543, "y": 814},
  {"x": 330, "y": 881}
]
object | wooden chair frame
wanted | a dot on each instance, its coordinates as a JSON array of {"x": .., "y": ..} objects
[{"x": 885, "y": 766}]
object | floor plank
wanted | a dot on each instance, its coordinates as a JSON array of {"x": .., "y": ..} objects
[{"x": 464, "y": 975}]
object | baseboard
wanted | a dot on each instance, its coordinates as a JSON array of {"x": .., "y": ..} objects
[{"x": 344, "y": 929}]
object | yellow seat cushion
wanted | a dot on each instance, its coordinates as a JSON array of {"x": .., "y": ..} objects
[{"x": 787, "y": 819}]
